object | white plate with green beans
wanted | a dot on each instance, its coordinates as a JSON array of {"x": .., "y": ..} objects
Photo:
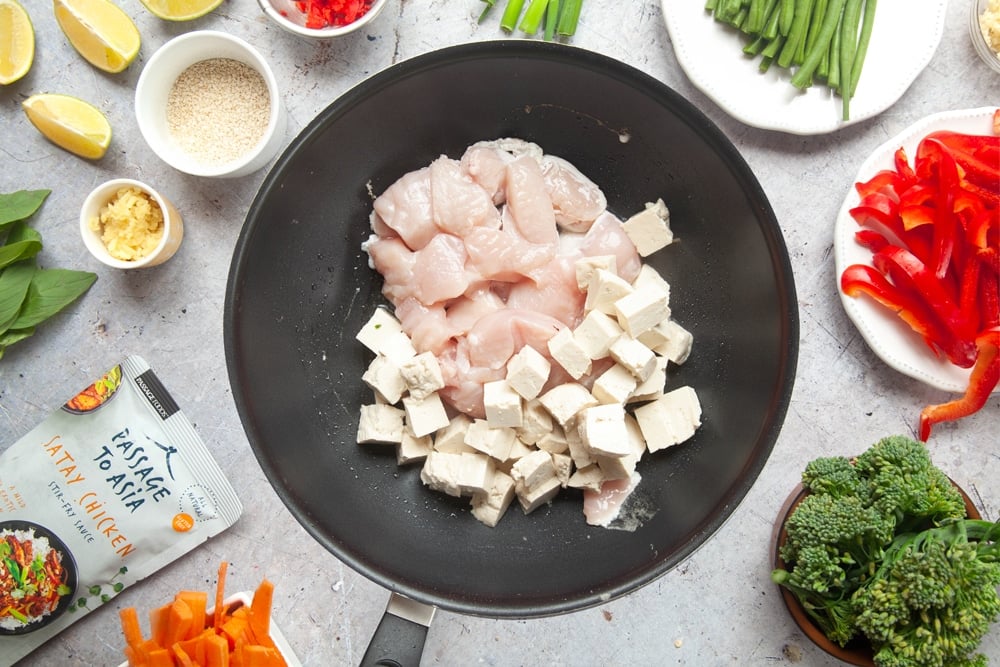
[{"x": 786, "y": 64}]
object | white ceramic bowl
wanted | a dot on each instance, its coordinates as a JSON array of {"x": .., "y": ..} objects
[
  {"x": 173, "y": 225},
  {"x": 989, "y": 56},
  {"x": 288, "y": 16},
  {"x": 158, "y": 78}
]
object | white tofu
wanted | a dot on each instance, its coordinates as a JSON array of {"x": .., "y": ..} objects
[
  {"x": 458, "y": 474},
  {"x": 383, "y": 334},
  {"x": 649, "y": 229},
  {"x": 517, "y": 451},
  {"x": 425, "y": 416},
  {"x": 604, "y": 289},
  {"x": 587, "y": 266},
  {"x": 564, "y": 401},
  {"x": 555, "y": 441},
  {"x": 621, "y": 467},
  {"x": 533, "y": 470},
  {"x": 603, "y": 431},
  {"x": 641, "y": 310},
  {"x": 652, "y": 387},
  {"x": 383, "y": 376},
  {"x": 669, "y": 420},
  {"x": 655, "y": 337},
  {"x": 528, "y": 371},
  {"x": 577, "y": 449},
  {"x": 532, "y": 499},
  {"x": 678, "y": 345},
  {"x": 563, "y": 464},
  {"x": 490, "y": 506},
  {"x": 589, "y": 478},
  {"x": 422, "y": 375},
  {"x": 536, "y": 423},
  {"x": 380, "y": 423},
  {"x": 495, "y": 442},
  {"x": 649, "y": 278},
  {"x": 634, "y": 356},
  {"x": 596, "y": 332},
  {"x": 413, "y": 449},
  {"x": 502, "y": 403},
  {"x": 565, "y": 349},
  {"x": 614, "y": 385},
  {"x": 451, "y": 438}
]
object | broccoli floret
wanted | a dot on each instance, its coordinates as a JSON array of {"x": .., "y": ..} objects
[
  {"x": 933, "y": 597},
  {"x": 835, "y": 476},
  {"x": 905, "y": 483}
]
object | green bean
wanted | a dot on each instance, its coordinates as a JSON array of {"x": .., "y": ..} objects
[
  {"x": 834, "y": 11},
  {"x": 803, "y": 9},
  {"x": 848, "y": 50},
  {"x": 787, "y": 15},
  {"x": 867, "y": 24}
]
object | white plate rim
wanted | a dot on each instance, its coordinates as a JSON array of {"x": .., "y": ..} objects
[
  {"x": 887, "y": 336},
  {"x": 710, "y": 54}
]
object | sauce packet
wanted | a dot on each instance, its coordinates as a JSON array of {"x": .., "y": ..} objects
[{"x": 108, "y": 489}]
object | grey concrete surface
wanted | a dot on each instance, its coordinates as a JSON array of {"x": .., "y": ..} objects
[{"x": 717, "y": 607}]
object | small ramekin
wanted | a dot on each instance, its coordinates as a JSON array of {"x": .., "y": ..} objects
[
  {"x": 173, "y": 225},
  {"x": 287, "y": 16},
  {"x": 989, "y": 56},
  {"x": 157, "y": 79}
]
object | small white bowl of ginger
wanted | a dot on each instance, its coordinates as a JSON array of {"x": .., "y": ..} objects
[{"x": 126, "y": 224}]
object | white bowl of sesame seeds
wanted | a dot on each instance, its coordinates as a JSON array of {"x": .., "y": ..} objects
[{"x": 208, "y": 104}]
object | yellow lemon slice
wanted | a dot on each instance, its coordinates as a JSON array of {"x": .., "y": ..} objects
[
  {"x": 17, "y": 41},
  {"x": 100, "y": 31},
  {"x": 70, "y": 123},
  {"x": 180, "y": 10}
]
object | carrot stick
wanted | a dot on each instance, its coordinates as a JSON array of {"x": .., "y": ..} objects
[
  {"x": 220, "y": 594},
  {"x": 179, "y": 618},
  {"x": 197, "y": 602},
  {"x": 130, "y": 626},
  {"x": 158, "y": 620},
  {"x": 260, "y": 612}
]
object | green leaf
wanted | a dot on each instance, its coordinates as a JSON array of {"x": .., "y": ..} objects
[
  {"x": 23, "y": 242},
  {"x": 50, "y": 291},
  {"x": 14, "y": 282},
  {"x": 20, "y": 205}
]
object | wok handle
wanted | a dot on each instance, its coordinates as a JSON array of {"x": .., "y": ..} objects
[{"x": 399, "y": 638}]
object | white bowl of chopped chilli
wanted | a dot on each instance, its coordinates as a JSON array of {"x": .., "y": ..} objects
[
  {"x": 208, "y": 104},
  {"x": 322, "y": 19},
  {"x": 37, "y": 577},
  {"x": 126, "y": 224}
]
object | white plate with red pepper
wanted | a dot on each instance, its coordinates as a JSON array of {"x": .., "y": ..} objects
[{"x": 893, "y": 340}]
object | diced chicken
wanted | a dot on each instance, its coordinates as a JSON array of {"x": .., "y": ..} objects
[
  {"x": 529, "y": 202},
  {"x": 459, "y": 204},
  {"x": 405, "y": 207},
  {"x": 606, "y": 237},
  {"x": 576, "y": 199}
]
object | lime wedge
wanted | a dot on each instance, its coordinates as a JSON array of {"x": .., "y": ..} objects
[
  {"x": 17, "y": 41},
  {"x": 180, "y": 10},
  {"x": 100, "y": 31},
  {"x": 70, "y": 123}
]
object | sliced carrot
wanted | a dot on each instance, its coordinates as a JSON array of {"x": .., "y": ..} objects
[
  {"x": 158, "y": 620},
  {"x": 130, "y": 626},
  {"x": 181, "y": 657},
  {"x": 160, "y": 657},
  {"x": 260, "y": 611},
  {"x": 220, "y": 594},
  {"x": 179, "y": 622},
  {"x": 216, "y": 651},
  {"x": 197, "y": 602}
]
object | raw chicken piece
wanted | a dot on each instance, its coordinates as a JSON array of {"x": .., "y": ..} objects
[
  {"x": 552, "y": 291},
  {"x": 576, "y": 199},
  {"x": 459, "y": 204},
  {"x": 486, "y": 162},
  {"x": 464, "y": 382},
  {"x": 431, "y": 275},
  {"x": 529, "y": 203},
  {"x": 495, "y": 338},
  {"x": 466, "y": 310},
  {"x": 607, "y": 237},
  {"x": 405, "y": 207},
  {"x": 602, "y": 507},
  {"x": 497, "y": 255},
  {"x": 427, "y": 326}
]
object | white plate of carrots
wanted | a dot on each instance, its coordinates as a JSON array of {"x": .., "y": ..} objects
[
  {"x": 903, "y": 40},
  {"x": 226, "y": 630}
]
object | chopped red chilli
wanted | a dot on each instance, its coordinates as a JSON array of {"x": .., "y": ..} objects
[{"x": 332, "y": 13}]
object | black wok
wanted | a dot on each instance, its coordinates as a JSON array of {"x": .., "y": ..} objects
[{"x": 300, "y": 288}]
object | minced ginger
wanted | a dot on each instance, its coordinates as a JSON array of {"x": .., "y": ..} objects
[
  {"x": 130, "y": 224},
  {"x": 989, "y": 23}
]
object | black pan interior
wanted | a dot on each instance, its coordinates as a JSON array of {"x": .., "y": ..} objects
[{"x": 300, "y": 288}]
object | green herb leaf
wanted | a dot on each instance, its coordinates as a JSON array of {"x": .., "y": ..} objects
[
  {"x": 23, "y": 242},
  {"x": 14, "y": 282},
  {"x": 20, "y": 205},
  {"x": 50, "y": 291}
]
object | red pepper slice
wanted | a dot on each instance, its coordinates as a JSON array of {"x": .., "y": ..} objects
[{"x": 982, "y": 381}]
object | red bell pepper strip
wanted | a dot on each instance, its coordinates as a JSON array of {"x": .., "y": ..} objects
[
  {"x": 982, "y": 381},
  {"x": 901, "y": 162}
]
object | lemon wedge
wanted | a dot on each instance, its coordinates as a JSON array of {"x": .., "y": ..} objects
[
  {"x": 180, "y": 10},
  {"x": 70, "y": 123},
  {"x": 100, "y": 31},
  {"x": 17, "y": 41}
]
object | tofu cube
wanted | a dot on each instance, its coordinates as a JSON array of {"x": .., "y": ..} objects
[
  {"x": 578, "y": 450},
  {"x": 490, "y": 506},
  {"x": 652, "y": 388},
  {"x": 563, "y": 464},
  {"x": 649, "y": 229},
  {"x": 495, "y": 442},
  {"x": 603, "y": 431},
  {"x": 634, "y": 356},
  {"x": 422, "y": 375},
  {"x": 383, "y": 334},
  {"x": 425, "y": 415},
  {"x": 678, "y": 345},
  {"x": 380, "y": 423},
  {"x": 532, "y": 499},
  {"x": 669, "y": 420},
  {"x": 383, "y": 376},
  {"x": 564, "y": 401},
  {"x": 458, "y": 474},
  {"x": 651, "y": 280},
  {"x": 536, "y": 423},
  {"x": 604, "y": 289},
  {"x": 451, "y": 438},
  {"x": 413, "y": 449},
  {"x": 565, "y": 349},
  {"x": 614, "y": 385},
  {"x": 596, "y": 332},
  {"x": 641, "y": 310},
  {"x": 534, "y": 469},
  {"x": 589, "y": 478},
  {"x": 502, "y": 403},
  {"x": 622, "y": 467},
  {"x": 528, "y": 371},
  {"x": 587, "y": 266},
  {"x": 555, "y": 441}
]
